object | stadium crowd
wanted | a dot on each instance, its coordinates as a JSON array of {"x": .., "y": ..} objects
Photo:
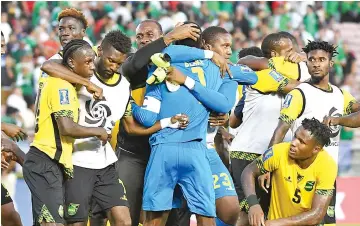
[{"x": 31, "y": 33}]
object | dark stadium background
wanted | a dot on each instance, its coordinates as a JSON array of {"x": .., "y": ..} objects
[{"x": 30, "y": 32}]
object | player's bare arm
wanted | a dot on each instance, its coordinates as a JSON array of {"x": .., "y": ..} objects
[
  {"x": 56, "y": 69},
  {"x": 255, "y": 63},
  {"x": 13, "y": 131},
  {"x": 180, "y": 32},
  {"x": 134, "y": 128},
  {"x": 68, "y": 127},
  {"x": 279, "y": 133},
  {"x": 352, "y": 120},
  {"x": 248, "y": 178},
  {"x": 314, "y": 216},
  {"x": 8, "y": 145},
  {"x": 289, "y": 86}
]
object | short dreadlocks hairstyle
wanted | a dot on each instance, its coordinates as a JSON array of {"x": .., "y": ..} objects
[
  {"x": 321, "y": 45},
  {"x": 251, "y": 51},
  {"x": 118, "y": 40},
  {"x": 320, "y": 131},
  {"x": 210, "y": 34},
  {"x": 72, "y": 47},
  {"x": 74, "y": 13}
]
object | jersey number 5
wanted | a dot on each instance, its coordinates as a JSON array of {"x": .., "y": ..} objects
[{"x": 297, "y": 197}]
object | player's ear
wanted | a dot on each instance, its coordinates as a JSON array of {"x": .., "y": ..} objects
[
  {"x": 205, "y": 45},
  {"x": 83, "y": 32},
  {"x": 273, "y": 53},
  {"x": 317, "y": 149},
  {"x": 331, "y": 63},
  {"x": 70, "y": 62},
  {"x": 100, "y": 51}
]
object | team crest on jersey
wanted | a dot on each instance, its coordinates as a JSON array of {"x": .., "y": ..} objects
[
  {"x": 309, "y": 186},
  {"x": 287, "y": 101},
  {"x": 267, "y": 154},
  {"x": 278, "y": 77},
  {"x": 97, "y": 111},
  {"x": 64, "y": 96}
]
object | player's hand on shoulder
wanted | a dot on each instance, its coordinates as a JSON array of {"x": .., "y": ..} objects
[
  {"x": 264, "y": 181},
  {"x": 14, "y": 132},
  {"x": 222, "y": 63},
  {"x": 256, "y": 216},
  {"x": 294, "y": 57},
  {"x": 95, "y": 90},
  {"x": 330, "y": 121}
]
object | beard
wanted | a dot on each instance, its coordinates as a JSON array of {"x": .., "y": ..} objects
[{"x": 317, "y": 79}]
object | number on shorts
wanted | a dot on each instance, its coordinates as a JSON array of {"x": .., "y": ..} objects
[{"x": 225, "y": 181}]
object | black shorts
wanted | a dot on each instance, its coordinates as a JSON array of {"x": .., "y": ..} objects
[
  {"x": 5, "y": 196},
  {"x": 239, "y": 160},
  {"x": 131, "y": 169},
  {"x": 330, "y": 216},
  {"x": 45, "y": 179},
  {"x": 95, "y": 189}
]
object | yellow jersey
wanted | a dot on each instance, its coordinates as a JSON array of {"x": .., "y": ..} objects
[
  {"x": 56, "y": 98},
  {"x": 269, "y": 81},
  {"x": 293, "y": 188},
  {"x": 296, "y": 71}
]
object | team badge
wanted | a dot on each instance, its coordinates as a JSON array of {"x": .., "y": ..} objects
[
  {"x": 309, "y": 186},
  {"x": 64, "y": 96},
  {"x": 73, "y": 208},
  {"x": 278, "y": 77},
  {"x": 267, "y": 154},
  {"x": 287, "y": 101}
]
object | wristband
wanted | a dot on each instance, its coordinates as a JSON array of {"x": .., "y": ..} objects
[
  {"x": 189, "y": 83},
  {"x": 208, "y": 54},
  {"x": 166, "y": 122},
  {"x": 252, "y": 200}
]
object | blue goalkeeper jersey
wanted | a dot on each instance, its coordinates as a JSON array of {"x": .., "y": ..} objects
[{"x": 210, "y": 93}]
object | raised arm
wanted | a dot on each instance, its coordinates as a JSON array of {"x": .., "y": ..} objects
[
  {"x": 255, "y": 63},
  {"x": 56, "y": 69}
]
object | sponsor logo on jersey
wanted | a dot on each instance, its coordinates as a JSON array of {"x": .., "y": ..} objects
[
  {"x": 335, "y": 130},
  {"x": 97, "y": 112},
  {"x": 299, "y": 177},
  {"x": 288, "y": 179}
]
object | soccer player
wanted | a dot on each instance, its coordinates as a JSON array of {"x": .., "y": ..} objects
[
  {"x": 72, "y": 25},
  {"x": 260, "y": 106},
  {"x": 190, "y": 68},
  {"x": 49, "y": 159},
  {"x": 303, "y": 177},
  {"x": 132, "y": 145},
  {"x": 317, "y": 98},
  {"x": 94, "y": 167}
]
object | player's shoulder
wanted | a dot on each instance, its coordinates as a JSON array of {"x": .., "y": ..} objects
[
  {"x": 325, "y": 162},
  {"x": 56, "y": 83},
  {"x": 282, "y": 148}
]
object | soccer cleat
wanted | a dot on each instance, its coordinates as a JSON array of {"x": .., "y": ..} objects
[
  {"x": 161, "y": 60},
  {"x": 158, "y": 76}
]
